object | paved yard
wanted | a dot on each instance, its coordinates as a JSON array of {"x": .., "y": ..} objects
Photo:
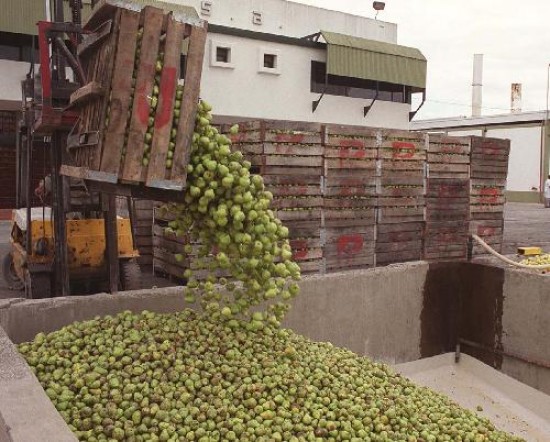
[{"x": 525, "y": 225}]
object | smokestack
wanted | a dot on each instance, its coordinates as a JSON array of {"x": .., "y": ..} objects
[
  {"x": 477, "y": 85},
  {"x": 516, "y": 98}
]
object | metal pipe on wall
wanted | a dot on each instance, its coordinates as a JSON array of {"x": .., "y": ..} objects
[{"x": 477, "y": 85}]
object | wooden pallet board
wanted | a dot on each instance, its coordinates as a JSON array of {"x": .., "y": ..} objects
[{"x": 109, "y": 144}]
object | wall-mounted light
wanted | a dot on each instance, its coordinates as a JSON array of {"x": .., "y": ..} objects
[{"x": 378, "y": 6}]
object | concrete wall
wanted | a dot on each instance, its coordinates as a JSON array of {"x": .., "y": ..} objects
[
  {"x": 244, "y": 91},
  {"x": 292, "y": 19},
  {"x": 526, "y": 327}
]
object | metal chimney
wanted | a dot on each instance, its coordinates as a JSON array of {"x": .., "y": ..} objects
[
  {"x": 477, "y": 85},
  {"x": 516, "y": 98}
]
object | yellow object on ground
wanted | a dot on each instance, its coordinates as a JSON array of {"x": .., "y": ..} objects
[
  {"x": 529, "y": 251},
  {"x": 537, "y": 260}
]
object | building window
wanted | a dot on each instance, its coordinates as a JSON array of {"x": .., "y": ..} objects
[
  {"x": 356, "y": 87},
  {"x": 269, "y": 61},
  {"x": 221, "y": 55},
  {"x": 18, "y": 47}
]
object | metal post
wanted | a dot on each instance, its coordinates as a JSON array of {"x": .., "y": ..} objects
[
  {"x": 61, "y": 262},
  {"x": 111, "y": 240}
]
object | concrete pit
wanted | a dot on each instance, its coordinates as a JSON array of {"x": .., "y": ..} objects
[{"x": 406, "y": 315}]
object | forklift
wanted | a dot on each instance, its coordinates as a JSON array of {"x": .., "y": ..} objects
[{"x": 60, "y": 240}]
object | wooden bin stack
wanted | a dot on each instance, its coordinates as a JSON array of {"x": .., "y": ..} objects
[
  {"x": 349, "y": 190},
  {"x": 142, "y": 226},
  {"x": 289, "y": 156},
  {"x": 400, "y": 189},
  {"x": 447, "y": 198},
  {"x": 489, "y": 168},
  {"x": 117, "y": 111}
]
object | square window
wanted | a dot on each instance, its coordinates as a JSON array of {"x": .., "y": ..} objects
[
  {"x": 270, "y": 61},
  {"x": 223, "y": 55}
]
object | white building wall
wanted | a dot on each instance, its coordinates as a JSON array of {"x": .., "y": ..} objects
[
  {"x": 244, "y": 92},
  {"x": 11, "y": 75},
  {"x": 292, "y": 19},
  {"x": 524, "y": 163}
]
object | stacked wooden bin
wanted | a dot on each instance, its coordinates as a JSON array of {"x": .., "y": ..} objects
[
  {"x": 447, "y": 199},
  {"x": 355, "y": 197},
  {"x": 489, "y": 168},
  {"x": 401, "y": 204},
  {"x": 289, "y": 156},
  {"x": 349, "y": 203}
]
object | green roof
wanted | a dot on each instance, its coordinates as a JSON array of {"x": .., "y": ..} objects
[{"x": 355, "y": 57}]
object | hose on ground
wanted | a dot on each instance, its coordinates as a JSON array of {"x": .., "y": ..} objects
[{"x": 503, "y": 258}]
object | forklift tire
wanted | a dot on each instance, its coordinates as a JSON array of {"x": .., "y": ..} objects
[
  {"x": 130, "y": 275},
  {"x": 8, "y": 272}
]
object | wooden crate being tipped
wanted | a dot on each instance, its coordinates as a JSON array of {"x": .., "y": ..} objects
[{"x": 136, "y": 129}]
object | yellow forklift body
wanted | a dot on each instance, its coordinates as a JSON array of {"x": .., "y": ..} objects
[{"x": 85, "y": 242}]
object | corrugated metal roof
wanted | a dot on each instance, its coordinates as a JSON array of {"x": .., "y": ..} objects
[
  {"x": 21, "y": 16},
  {"x": 356, "y": 57}
]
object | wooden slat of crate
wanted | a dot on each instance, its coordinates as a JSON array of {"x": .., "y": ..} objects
[
  {"x": 397, "y": 237},
  {"x": 292, "y": 180},
  {"x": 304, "y": 229},
  {"x": 401, "y": 201},
  {"x": 401, "y": 191},
  {"x": 352, "y": 214},
  {"x": 349, "y": 203},
  {"x": 121, "y": 94},
  {"x": 335, "y": 263},
  {"x": 347, "y": 163},
  {"x": 282, "y": 191},
  {"x": 286, "y": 160},
  {"x": 248, "y": 149},
  {"x": 490, "y": 146},
  {"x": 310, "y": 267},
  {"x": 156, "y": 170},
  {"x": 477, "y": 158},
  {"x": 242, "y": 137},
  {"x": 292, "y": 149},
  {"x": 487, "y": 215},
  {"x": 487, "y": 199},
  {"x": 384, "y": 229},
  {"x": 449, "y": 145},
  {"x": 455, "y": 168},
  {"x": 336, "y": 234},
  {"x": 188, "y": 112},
  {"x": 307, "y": 254},
  {"x": 305, "y": 243},
  {"x": 297, "y": 203},
  {"x": 152, "y": 19},
  {"x": 487, "y": 191},
  {"x": 289, "y": 170},
  {"x": 488, "y": 166},
  {"x": 292, "y": 137},
  {"x": 368, "y": 219},
  {"x": 393, "y": 152},
  {"x": 482, "y": 182},
  {"x": 446, "y": 255},
  {"x": 352, "y": 153},
  {"x": 447, "y": 188},
  {"x": 401, "y": 214},
  {"x": 483, "y": 208},
  {"x": 404, "y": 180},
  {"x": 299, "y": 215},
  {"x": 414, "y": 245},
  {"x": 385, "y": 258},
  {"x": 350, "y": 191}
]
